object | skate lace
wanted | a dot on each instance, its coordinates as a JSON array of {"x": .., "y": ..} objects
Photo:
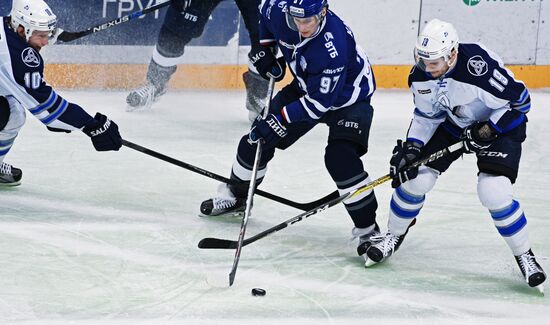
[
  {"x": 385, "y": 243},
  {"x": 528, "y": 264},
  {"x": 223, "y": 203},
  {"x": 357, "y": 233},
  {"x": 147, "y": 91},
  {"x": 5, "y": 169}
]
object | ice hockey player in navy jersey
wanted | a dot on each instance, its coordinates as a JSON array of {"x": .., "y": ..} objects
[
  {"x": 22, "y": 87},
  {"x": 462, "y": 92},
  {"x": 333, "y": 84}
]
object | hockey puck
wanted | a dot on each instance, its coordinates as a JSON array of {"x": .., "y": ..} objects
[{"x": 258, "y": 292}]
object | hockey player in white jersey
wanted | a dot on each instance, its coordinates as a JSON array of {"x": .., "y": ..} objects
[
  {"x": 29, "y": 27},
  {"x": 462, "y": 92}
]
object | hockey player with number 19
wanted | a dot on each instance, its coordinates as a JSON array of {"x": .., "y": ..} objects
[
  {"x": 462, "y": 92},
  {"x": 30, "y": 27},
  {"x": 333, "y": 84}
]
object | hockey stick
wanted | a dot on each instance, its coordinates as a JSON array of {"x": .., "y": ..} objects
[
  {"x": 214, "y": 243},
  {"x": 251, "y": 188},
  {"x": 71, "y": 36},
  {"x": 198, "y": 170}
]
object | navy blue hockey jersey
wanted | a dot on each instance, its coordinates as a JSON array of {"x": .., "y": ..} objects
[
  {"x": 478, "y": 88},
  {"x": 22, "y": 78},
  {"x": 330, "y": 67}
]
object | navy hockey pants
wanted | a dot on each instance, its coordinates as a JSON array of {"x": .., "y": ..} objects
[{"x": 179, "y": 28}]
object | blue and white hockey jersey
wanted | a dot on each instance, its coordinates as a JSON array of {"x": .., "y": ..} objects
[
  {"x": 330, "y": 67},
  {"x": 478, "y": 88},
  {"x": 22, "y": 79}
]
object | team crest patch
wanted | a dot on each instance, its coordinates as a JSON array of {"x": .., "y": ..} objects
[
  {"x": 477, "y": 66},
  {"x": 30, "y": 57}
]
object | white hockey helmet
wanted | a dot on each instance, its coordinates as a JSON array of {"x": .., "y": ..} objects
[
  {"x": 436, "y": 40},
  {"x": 33, "y": 15}
]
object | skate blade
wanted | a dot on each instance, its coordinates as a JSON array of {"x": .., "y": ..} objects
[
  {"x": 224, "y": 215},
  {"x": 143, "y": 108},
  {"x": 369, "y": 262},
  {"x": 540, "y": 288},
  {"x": 10, "y": 184}
]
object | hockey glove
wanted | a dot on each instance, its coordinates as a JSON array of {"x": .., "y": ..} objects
[
  {"x": 270, "y": 130},
  {"x": 478, "y": 137},
  {"x": 404, "y": 154},
  {"x": 104, "y": 133},
  {"x": 268, "y": 66}
]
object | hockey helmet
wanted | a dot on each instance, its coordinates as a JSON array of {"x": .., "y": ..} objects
[
  {"x": 437, "y": 40},
  {"x": 33, "y": 15},
  {"x": 300, "y": 9}
]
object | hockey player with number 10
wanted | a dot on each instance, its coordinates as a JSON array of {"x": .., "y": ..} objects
[
  {"x": 462, "y": 92},
  {"x": 30, "y": 27},
  {"x": 333, "y": 83}
]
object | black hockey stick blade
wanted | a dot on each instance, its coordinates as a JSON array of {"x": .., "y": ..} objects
[
  {"x": 217, "y": 243},
  {"x": 66, "y": 36},
  {"x": 198, "y": 170},
  {"x": 208, "y": 243}
]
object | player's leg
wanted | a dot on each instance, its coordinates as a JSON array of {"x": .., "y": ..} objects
[
  {"x": 498, "y": 167},
  {"x": 407, "y": 199},
  {"x": 347, "y": 143},
  {"x": 178, "y": 29},
  {"x": 231, "y": 199},
  {"x": 12, "y": 118}
]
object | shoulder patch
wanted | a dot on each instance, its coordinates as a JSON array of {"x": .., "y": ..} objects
[
  {"x": 30, "y": 57},
  {"x": 477, "y": 66},
  {"x": 424, "y": 91}
]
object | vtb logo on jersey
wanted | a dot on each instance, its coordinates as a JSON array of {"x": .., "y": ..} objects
[
  {"x": 30, "y": 57},
  {"x": 477, "y": 66}
]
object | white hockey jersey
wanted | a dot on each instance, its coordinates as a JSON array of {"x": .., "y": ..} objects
[
  {"x": 478, "y": 88},
  {"x": 22, "y": 84}
]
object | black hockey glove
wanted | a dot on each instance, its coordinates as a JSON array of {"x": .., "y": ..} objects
[
  {"x": 104, "y": 133},
  {"x": 404, "y": 154},
  {"x": 268, "y": 66},
  {"x": 270, "y": 130},
  {"x": 478, "y": 136}
]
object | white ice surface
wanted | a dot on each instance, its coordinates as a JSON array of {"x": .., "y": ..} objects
[{"x": 111, "y": 238}]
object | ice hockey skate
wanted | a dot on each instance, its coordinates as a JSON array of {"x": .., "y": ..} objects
[
  {"x": 144, "y": 97},
  {"x": 9, "y": 175},
  {"x": 531, "y": 270},
  {"x": 384, "y": 246},
  {"x": 224, "y": 204},
  {"x": 364, "y": 235}
]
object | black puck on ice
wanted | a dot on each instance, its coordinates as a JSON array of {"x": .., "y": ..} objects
[{"x": 258, "y": 292}]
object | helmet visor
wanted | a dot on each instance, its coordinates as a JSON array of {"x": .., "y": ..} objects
[
  {"x": 432, "y": 65},
  {"x": 295, "y": 23}
]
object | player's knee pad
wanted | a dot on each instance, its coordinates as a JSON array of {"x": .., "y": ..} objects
[
  {"x": 15, "y": 119},
  {"x": 494, "y": 192},
  {"x": 423, "y": 183},
  {"x": 4, "y": 112}
]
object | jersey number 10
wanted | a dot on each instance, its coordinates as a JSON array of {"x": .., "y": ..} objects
[{"x": 33, "y": 80}]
